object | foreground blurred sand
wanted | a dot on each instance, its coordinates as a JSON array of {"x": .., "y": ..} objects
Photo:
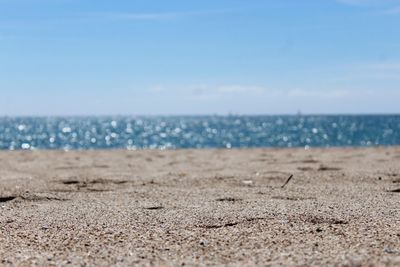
[{"x": 201, "y": 206}]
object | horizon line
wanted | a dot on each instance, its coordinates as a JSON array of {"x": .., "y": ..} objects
[{"x": 2, "y": 116}]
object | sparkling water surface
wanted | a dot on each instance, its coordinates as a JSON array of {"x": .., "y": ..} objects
[{"x": 18, "y": 133}]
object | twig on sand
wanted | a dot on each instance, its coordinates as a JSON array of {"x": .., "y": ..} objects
[
  {"x": 395, "y": 190},
  {"x": 287, "y": 181}
]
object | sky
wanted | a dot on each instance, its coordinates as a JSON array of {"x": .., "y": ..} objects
[{"x": 191, "y": 57}]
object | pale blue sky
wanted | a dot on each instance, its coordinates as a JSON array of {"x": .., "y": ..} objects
[{"x": 81, "y": 57}]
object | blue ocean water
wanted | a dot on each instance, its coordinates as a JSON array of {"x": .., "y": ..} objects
[{"x": 198, "y": 132}]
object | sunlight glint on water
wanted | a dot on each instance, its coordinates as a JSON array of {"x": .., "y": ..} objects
[{"x": 198, "y": 132}]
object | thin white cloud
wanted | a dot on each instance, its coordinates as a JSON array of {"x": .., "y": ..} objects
[
  {"x": 353, "y": 2},
  {"x": 386, "y": 7},
  {"x": 10, "y": 37},
  {"x": 372, "y": 71},
  {"x": 368, "y": 2},
  {"x": 130, "y": 16},
  {"x": 204, "y": 89},
  {"x": 325, "y": 94},
  {"x": 206, "y": 92},
  {"x": 392, "y": 11},
  {"x": 238, "y": 89},
  {"x": 339, "y": 94},
  {"x": 148, "y": 16},
  {"x": 221, "y": 92},
  {"x": 382, "y": 66}
]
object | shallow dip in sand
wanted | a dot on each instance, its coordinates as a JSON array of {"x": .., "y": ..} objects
[{"x": 190, "y": 207}]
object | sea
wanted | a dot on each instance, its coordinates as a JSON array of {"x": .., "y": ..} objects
[{"x": 177, "y": 132}]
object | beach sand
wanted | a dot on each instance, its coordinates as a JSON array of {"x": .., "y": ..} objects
[{"x": 195, "y": 207}]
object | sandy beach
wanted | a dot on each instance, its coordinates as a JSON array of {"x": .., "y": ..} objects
[{"x": 201, "y": 207}]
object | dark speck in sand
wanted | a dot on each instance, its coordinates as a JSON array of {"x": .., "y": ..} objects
[
  {"x": 395, "y": 190},
  {"x": 106, "y": 181},
  {"x": 6, "y": 199},
  {"x": 293, "y": 198},
  {"x": 305, "y": 169},
  {"x": 220, "y": 226},
  {"x": 154, "y": 208},
  {"x": 68, "y": 182},
  {"x": 309, "y": 161},
  {"x": 327, "y": 168},
  {"x": 391, "y": 251},
  {"x": 228, "y": 199},
  {"x": 320, "y": 220}
]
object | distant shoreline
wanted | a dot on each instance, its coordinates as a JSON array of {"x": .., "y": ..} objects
[
  {"x": 204, "y": 149},
  {"x": 80, "y": 116}
]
